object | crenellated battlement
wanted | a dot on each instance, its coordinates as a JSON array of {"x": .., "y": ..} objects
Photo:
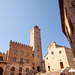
[
  {"x": 2, "y": 53},
  {"x": 17, "y": 43},
  {"x": 36, "y": 27}
]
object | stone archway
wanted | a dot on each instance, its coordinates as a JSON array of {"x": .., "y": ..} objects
[
  {"x": 38, "y": 68},
  {"x": 1, "y": 71},
  {"x": 61, "y": 65},
  {"x": 48, "y": 68}
]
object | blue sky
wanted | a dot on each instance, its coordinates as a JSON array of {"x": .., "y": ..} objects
[{"x": 17, "y": 17}]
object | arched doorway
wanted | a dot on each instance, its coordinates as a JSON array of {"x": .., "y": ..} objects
[
  {"x": 61, "y": 65},
  {"x": 1, "y": 71},
  {"x": 48, "y": 68},
  {"x": 38, "y": 68}
]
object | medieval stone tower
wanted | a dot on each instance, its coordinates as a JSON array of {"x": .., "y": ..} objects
[{"x": 35, "y": 42}]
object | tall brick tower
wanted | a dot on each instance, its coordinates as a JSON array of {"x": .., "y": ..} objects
[{"x": 35, "y": 41}]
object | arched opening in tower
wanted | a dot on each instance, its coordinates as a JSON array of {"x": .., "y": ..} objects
[
  {"x": 1, "y": 71},
  {"x": 48, "y": 68},
  {"x": 61, "y": 65},
  {"x": 38, "y": 68}
]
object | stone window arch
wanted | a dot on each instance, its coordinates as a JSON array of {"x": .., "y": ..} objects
[
  {"x": 21, "y": 60},
  {"x": 27, "y": 53},
  {"x": 20, "y": 69},
  {"x": 15, "y": 51},
  {"x": 12, "y": 68},
  {"x": 33, "y": 55},
  {"x": 27, "y": 61},
  {"x": 22, "y": 52},
  {"x": 33, "y": 68},
  {"x": 27, "y": 69},
  {"x": 1, "y": 71}
]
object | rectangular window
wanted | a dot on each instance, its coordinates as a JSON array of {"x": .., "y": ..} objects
[{"x": 12, "y": 68}]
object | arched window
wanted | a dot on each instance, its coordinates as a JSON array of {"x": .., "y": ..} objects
[
  {"x": 27, "y": 54},
  {"x": 33, "y": 68},
  {"x": 12, "y": 68},
  {"x": 61, "y": 65},
  {"x": 37, "y": 45},
  {"x": 1, "y": 58},
  {"x": 48, "y": 68},
  {"x": 27, "y": 69},
  {"x": 21, "y": 60},
  {"x": 20, "y": 69},
  {"x": 15, "y": 51},
  {"x": 27, "y": 61},
  {"x": 37, "y": 31},
  {"x": 38, "y": 50},
  {"x": 33, "y": 55},
  {"x": 22, "y": 53},
  {"x": 1, "y": 71}
]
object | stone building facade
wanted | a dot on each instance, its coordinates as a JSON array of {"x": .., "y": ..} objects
[
  {"x": 58, "y": 57},
  {"x": 21, "y": 59},
  {"x": 67, "y": 13}
]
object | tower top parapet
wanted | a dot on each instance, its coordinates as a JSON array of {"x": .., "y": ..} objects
[
  {"x": 2, "y": 53},
  {"x": 36, "y": 26},
  {"x": 17, "y": 43}
]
